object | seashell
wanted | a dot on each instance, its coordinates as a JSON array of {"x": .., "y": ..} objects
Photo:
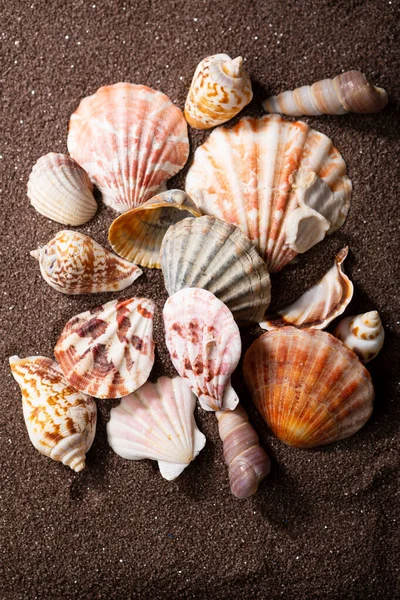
[
  {"x": 248, "y": 463},
  {"x": 108, "y": 352},
  {"x": 137, "y": 234},
  {"x": 157, "y": 422},
  {"x": 61, "y": 422},
  {"x": 204, "y": 343},
  {"x": 364, "y": 334},
  {"x": 211, "y": 254},
  {"x": 219, "y": 90},
  {"x": 282, "y": 183},
  {"x": 319, "y": 305},
  {"x": 130, "y": 139},
  {"x": 61, "y": 190},
  {"x": 348, "y": 92},
  {"x": 310, "y": 389},
  {"x": 73, "y": 263}
]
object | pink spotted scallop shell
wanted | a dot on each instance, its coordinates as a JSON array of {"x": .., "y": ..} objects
[
  {"x": 204, "y": 343},
  {"x": 130, "y": 139}
]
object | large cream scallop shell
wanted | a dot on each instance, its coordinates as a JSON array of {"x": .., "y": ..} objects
[
  {"x": 61, "y": 422},
  {"x": 364, "y": 334},
  {"x": 204, "y": 343},
  {"x": 219, "y": 90},
  {"x": 157, "y": 422},
  {"x": 211, "y": 254},
  {"x": 308, "y": 386},
  {"x": 137, "y": 234},
  {"x": 73, "y": 263},
  {"x": 130, "y": 139},
  {"x": 319, "y": 305},
  {"x": 281, "y": 182},
  {"x": 61, "y": 190},
  {"x": 108, "y": 351}
]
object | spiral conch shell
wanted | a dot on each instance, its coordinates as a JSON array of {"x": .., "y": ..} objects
[
  {"x": 348, "y": 92},
  {"x": 157, "y": 422},
  {"x": 108, "y": 351},
  {"x": 364, "y": 334},
  {"x": 319, "y": 305},
  {"x": 61, "y": 422},
  {"x": 219, "y": 90},
  {"x": 73, "y": 263},
  {"x": 137, "y": 234},
  {"x": 308, "y": 386},
  {"x": 282, "y": 183},
  {"x": 248, "y": 463},
  {"x": 130, "y": 139},
  {"x": 61, "y": 190},
  {"x": 204, "y": 343}
]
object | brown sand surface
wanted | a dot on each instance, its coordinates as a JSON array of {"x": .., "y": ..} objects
[{"x": 324, "y": 524}]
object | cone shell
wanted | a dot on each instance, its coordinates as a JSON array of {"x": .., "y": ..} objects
[
  {"x": 364, "y": 334},
  {"x": 308, "y": 386},
  {"x": 348, "y": 92},
  {"x": 108, "y": 352},
  {"x": 61, "y": 190},
  {"x": 219, "y": 90},
  {"x": 157, "y": 422},
  {"x": 211, "y": 254},
  {"x": 247, "y": 462},
  {"x": 204, "y": 343},
  {"x": 319, "y": 305},
  {"x": 73, "y": 263},
  {"x": 130, "y": 139},
  {"x": 282, "y": 183},
  {"x": 61, "y": 422},
  {"x": 137, "y": 234}
]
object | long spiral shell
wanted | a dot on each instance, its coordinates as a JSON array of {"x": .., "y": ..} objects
[
  {"x": 248, "y": 463},
  {"x": 348, "y": 92}
]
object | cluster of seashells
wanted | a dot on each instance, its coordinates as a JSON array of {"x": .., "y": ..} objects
[{"x": 257, "y": 194}]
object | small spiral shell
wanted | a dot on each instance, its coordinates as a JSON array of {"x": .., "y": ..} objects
[
  {"x": 364, "y": 334},
  {"x": 348, "y": 92},
  {"x": 247, "y": 462}
]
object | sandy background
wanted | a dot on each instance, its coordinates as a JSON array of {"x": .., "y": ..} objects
[{"x": 324, "y": 524}]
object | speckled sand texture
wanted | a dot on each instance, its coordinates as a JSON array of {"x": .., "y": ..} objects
[{"x": 324, "y": 524}]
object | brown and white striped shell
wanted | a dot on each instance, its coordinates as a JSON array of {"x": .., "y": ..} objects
[
  {"x": 204, "y": 344},
  {"x": 211, "y": 254},
  {"x": 219, "y": 90},
  {"x": 61, "y": 422},
  {"x": 61, "y": 190},
  {"x": 73, "y": 263},
  {"x": 310, "y": 389},
  {"x": 130, "y": 139},
  {"x": 108, "y": 351},
  {"x": 137, "y": 234}
]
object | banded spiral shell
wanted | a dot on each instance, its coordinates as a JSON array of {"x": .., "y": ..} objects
[
  {"x": 59, "y": 189},
  {"x": 219, "y": 90},
  {"x": 73, "y": 263},
  {"x": 348, "y": 92},
  {"x": 248, "y": 463},
  {"x": 130, "y": 139},
  {"x": 319, "y": 305},
  {"x": 364, "y": 334},
  {"x": 282, "y": 183},
  {"x": 137, "y": 234},
  {"x": 204, "y": 343},
  {"x": 157, "y": 422},
  {"x": 211, "y": 254},
  {"x": 310, "y": 389},
  {"x": 108, "y": 351},
  {"x": 61, "y": 422}
]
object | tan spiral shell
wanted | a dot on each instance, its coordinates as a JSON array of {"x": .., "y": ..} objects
[{"x": 364, "y": 334}]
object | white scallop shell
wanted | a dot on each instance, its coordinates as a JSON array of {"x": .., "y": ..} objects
[
  {"x": 204, "y": 343},
  {"x": 364, "y": 334},
  {"x": 61, "y": 190},
  {"x": 157, "y": 422}
]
